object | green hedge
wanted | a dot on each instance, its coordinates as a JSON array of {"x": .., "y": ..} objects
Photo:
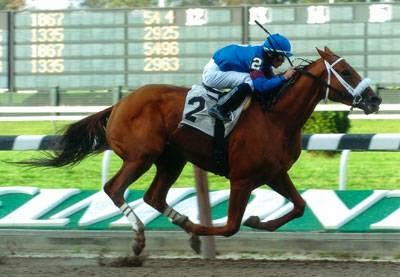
[{"x": 327, "y": 122}]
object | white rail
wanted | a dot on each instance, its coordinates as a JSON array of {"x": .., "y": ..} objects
[
  {"x": 50, "y": 109},
  {"x": 49, "y": 113},
  {"x": 332, "y": 142}
]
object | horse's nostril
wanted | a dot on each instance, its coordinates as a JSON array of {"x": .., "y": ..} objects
[
  {"x": 377, "y": 100},
  {"x": 374, "y": 102}
]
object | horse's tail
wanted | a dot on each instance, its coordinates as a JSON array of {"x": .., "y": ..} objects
[{"x": 80, "y": 139}]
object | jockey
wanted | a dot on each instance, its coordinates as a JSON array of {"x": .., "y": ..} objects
[{"x": 244, "y": 69}]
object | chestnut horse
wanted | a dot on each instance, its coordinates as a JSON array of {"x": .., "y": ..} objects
[{"x": 143, "y": 129}]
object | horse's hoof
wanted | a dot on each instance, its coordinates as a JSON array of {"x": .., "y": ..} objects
[
  {"x": 139, "y": 242},
  {"x": 270, "y": 226},
  {"x": 195, "y": 243},
  {"x": 252, "y": 221}
]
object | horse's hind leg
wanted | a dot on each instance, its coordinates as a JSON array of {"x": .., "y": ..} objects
[
  {"x": 284, "y": 186},
  {"x": 169, "y": 166},
  {"x": 115, "y": 188}
]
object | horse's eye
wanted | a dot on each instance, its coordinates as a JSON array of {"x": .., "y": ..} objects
[{"x": 346, "y": 73}]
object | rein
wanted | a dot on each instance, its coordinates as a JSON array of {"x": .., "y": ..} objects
[{"x": 356, "y": 92}]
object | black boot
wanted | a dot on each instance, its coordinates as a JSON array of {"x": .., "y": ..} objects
[{"x": 229, "y": 102}]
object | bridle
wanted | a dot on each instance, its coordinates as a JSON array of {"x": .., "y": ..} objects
[{"x": 356, "y": 92}]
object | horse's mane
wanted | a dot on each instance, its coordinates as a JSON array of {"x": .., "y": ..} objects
[{"x": 270, "y": 99}]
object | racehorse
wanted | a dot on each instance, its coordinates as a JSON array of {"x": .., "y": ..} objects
[{"x": 144, "y": 128}]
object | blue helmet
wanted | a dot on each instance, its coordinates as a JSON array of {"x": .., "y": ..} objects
[{"x": 279, "y": 44}]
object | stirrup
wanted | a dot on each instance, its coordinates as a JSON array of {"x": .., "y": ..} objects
[{"x": 217, "y": 114}]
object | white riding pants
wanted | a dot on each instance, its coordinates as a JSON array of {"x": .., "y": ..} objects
[{"x": 215, "y": 78}]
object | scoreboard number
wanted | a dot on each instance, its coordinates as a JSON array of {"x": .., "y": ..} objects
[
  {"x": 48, "y": 47},
  {"x": 48, "y": 66},
  {"x": 161, "y": 64},
  {"x": 154, "y": 17},
  {"x": 165, "y": 48},
  {"x": 43, "y": 35},
  {"x": 160, "y": 41},
  {"x": 47, "y": 50},
  {"x": 161, "y": 33},
  {"x": 47, "y": 19}
]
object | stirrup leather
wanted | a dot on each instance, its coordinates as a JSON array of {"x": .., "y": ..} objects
[{"x": 216, "y": 113}]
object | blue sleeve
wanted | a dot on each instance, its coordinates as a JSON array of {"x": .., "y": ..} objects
[{"x": 266, "y": 85}]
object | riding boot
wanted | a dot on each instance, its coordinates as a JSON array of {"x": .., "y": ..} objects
[{"x": 229, "y": 102}]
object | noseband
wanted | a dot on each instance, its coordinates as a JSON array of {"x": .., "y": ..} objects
[{"x": 356, "y": 92}]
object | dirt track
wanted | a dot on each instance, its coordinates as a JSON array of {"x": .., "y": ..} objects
[{"x": 193, "y": 267}]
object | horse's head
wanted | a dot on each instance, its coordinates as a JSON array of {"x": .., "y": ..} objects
[{"x": 345, "y": 85}]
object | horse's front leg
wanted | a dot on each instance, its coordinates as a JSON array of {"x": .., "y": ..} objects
[
  {"x": 238, "y": 199},
  {"x": 237, "y": 203},
  {"x": 284, "y": 186}
]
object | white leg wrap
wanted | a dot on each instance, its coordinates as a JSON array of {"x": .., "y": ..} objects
[
  {"x": 132, "y": 217},
  {"x": 174, "y": 215}
]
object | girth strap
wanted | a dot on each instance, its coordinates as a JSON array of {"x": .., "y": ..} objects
[{"x": 220, "y": 153}]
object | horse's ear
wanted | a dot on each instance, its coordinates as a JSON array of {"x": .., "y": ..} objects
[
  {"x": 328, "y": 51},
  {"x": 323, "y": 54}
]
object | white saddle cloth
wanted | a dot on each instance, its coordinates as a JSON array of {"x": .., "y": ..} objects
[{"x": 195, "y": 112}]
